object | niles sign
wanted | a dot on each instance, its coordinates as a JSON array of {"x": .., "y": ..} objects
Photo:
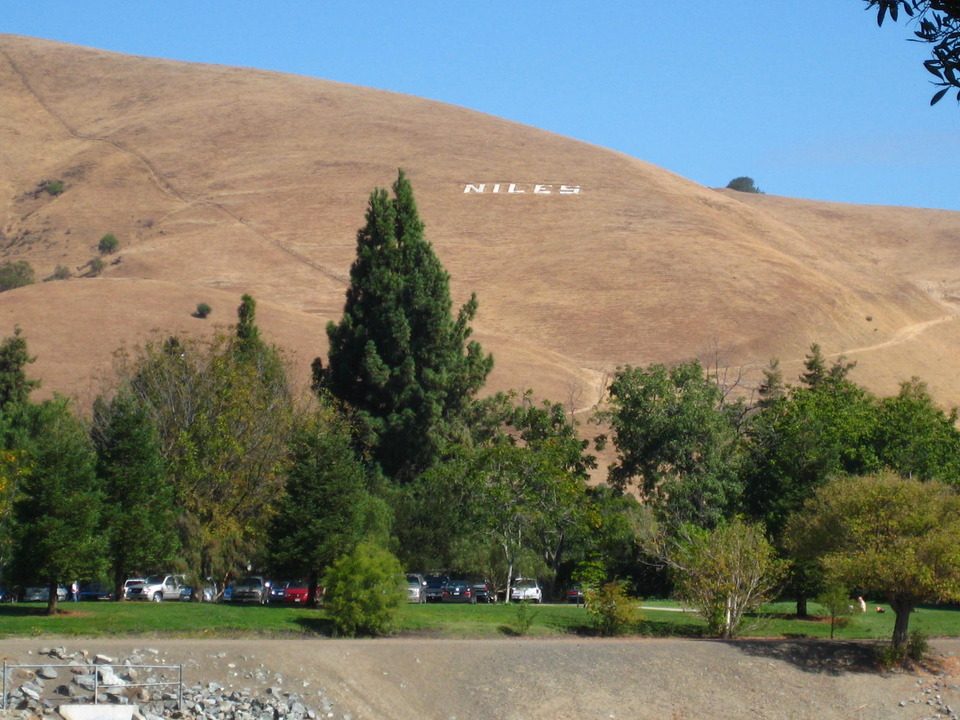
[{"x": 520, "y": 189}]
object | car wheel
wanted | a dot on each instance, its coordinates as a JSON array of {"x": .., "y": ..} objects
[{"x": 158, "y": 597}]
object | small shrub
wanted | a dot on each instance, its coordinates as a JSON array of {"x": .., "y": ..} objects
[
  {"x": 108, "y": 244},
  {"x": 612, "y": 612},
  {"x": 61, "y": 272},
  {"x": 364, "y": 591},
  {"x": 744, "y": 184},
  {"x": 918, "y": 645},
  {"x": 836, "y": 602},
  {"x": 16, "y": 274},
  {"x": 96, "y": 266},
  {"x": 889, "y": 656},
  {"x": 53, "y": 187},
  {"x": 203, "y": 310},
  {"x": 523, "y": 618}
]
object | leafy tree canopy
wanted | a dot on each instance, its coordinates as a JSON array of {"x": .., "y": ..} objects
[
  {"x": 937, "y": 24},
  {"x": 884, "y": 534},
  {"x": 744, "y": 184}
]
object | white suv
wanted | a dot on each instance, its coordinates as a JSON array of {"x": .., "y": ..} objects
[
  {"x": 157, "y": 588},
  {"x": 526, "y": 589}
]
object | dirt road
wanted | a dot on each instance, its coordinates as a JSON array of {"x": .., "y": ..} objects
[{"x": 423, "y": 679}]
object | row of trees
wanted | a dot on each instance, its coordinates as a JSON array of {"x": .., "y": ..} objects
[{"x": 202, "y": 456}]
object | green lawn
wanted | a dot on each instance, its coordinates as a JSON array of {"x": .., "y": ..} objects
[{"x": 453, "y": 621}]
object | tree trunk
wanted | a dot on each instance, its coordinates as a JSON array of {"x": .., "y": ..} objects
[
  {"x": 312, "y": 581},
  {"x": 902, "y": 607},
  {"x": 52, "y": 598},
  {"x": 802, "y": 606}
]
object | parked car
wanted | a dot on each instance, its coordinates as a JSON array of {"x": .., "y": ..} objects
[
  {"x": 435, "y": 585},
  {"x": 157, "y": 588},
  {"x": 41, "y": 593},
  {"x": 416, "y": 588},
  {"x": 129, "y": 583},
  {"x": 295, "y": 592},
  {"x": 484, "y": 592},
  {"x": 575, "y": 594},
  {"x": 526, "y": 590},
  {"x": 209, "y": 592},
  {"x": 458, "y": 591},
  {"x": 96, "y": 591},
  {"x": 279, "y": 590},
  {"x": 251, "y": 589}
]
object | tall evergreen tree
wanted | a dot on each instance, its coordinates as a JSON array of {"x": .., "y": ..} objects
[
  {"x": 14, "y": 386},
  {"x": 398, "y": 356},
  {"x": 139, "y": 503},
  {"x": 57, "y": 514},
  {"x": 326, "y": 508}
]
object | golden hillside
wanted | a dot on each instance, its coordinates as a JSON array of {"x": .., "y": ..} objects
[{"x": 220, "y": 181}]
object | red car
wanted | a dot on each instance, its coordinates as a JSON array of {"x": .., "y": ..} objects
[{"x": 292, "y": 591}]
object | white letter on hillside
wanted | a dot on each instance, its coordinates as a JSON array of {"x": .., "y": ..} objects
[{"x": 475, "y": 188}]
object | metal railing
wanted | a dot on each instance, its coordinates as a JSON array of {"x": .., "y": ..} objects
[{"x": 97, "y": 684}]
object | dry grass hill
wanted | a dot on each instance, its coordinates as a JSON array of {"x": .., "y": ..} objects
[{"x": 219, "y": 181}]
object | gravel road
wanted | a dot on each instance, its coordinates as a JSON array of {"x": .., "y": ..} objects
[{"x": 507, "y": 679}]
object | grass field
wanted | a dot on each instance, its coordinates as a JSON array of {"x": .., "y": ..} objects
[{"x": 661, "y": 618}]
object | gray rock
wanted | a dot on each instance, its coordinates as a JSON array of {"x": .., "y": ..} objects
[
  {"x": 47, "y": 672},
  {"x": 103, "y": 660},
  {"x": 87, "y": 682}
]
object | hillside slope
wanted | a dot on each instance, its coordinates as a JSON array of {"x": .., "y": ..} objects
[{"x": 220, "y": 181}]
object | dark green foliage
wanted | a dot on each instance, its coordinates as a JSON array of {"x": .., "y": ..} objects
[
  {"x": 108, "y": 244},
  {"x": 139, "y": 512},
  {"x": 56, "y": 516},
  {"x": 96, "y": 267},
  {"x": 16, "y": 274},
  {"x": 325, "y": 508},
  {"x": 744, "y": 184},
  {"x": 398, "y": 356},
  {"x": 677, "y": 440},
  {"x": 364, "y": 591},
  {"x": 203, "y": 310},
  {"x": 15, "y": 389},
  {"x": 916, "y": 438},
  {"x": 937, "y": 23},
  {"x": 61, "y": 272},
  {"x": 53, "y": 187}
]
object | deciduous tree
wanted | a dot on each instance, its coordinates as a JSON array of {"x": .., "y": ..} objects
[{"x": 889, "y": 535}]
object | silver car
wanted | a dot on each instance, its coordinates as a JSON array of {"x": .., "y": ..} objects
[{"x": 416, "y": 588}]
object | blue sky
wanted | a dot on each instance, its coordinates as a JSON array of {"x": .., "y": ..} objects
[{"x": 810, "y": 98}]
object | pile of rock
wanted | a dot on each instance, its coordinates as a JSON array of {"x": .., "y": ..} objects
[
  {"x": 934, "y": 695},
  {"x": 143, "y": 679}
]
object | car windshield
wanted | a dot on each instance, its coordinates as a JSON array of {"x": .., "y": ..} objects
[
  {"x": 413, "y": 579},
  {"x": 154, "y": 580},
  {"x": 527, "y": 584},
  {"x": 250, "y": 581}
]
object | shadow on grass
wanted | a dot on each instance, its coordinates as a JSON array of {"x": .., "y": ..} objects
[
  {"x": 20, "y": 610},
  {"x": 316, "y": 625},
  {"x": 828, "y": 657}
]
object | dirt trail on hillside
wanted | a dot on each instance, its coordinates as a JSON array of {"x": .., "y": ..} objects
[{"x": 422, "y": 679}]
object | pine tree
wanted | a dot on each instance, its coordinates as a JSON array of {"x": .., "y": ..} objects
[
  {"x": 14, "y": 387},
  {"x": 57, "y": 513},
  {"x": 398, "y": 356},
  {"x": 139, "y": 505}
]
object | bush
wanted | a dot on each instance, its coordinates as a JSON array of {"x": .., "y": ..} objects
[
  {"x": 611, "y": 611},
  {"x": 364, "y": 591},
  {"x": 203, "y": 310},
  {"x": 918, "y": 645},
  {"x": 16, "y": 274},
  {"x": 744, "y": 184},
  {"x": 96, "y": 266},
  {"x": 523, "y": 618},
  {"x": 108, "y": 244},
  {"x": 54, "y": 187},
  {"x": 61, "y": 272}
]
